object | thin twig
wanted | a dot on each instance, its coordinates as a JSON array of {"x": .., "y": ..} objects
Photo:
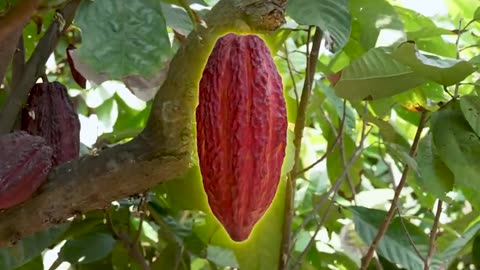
[
  {"x": 341, "y": 147},
  {"x": 333, "y": 191},
  {"x": 339, "y": 180},
  {"x": 302, "y": 255},
  {"x": 141, "y": 208},
  {"x": 409, "y": 237},
  {"x": 433, "y": 235},
  {"x": 312, "y": 59},
  {"x": 391, "y": 212},
  {"x": 332, "y": 147},
  {"x": 457, "y": 43},
  {"x": 292, "y": 77},
  {"x": 133, "y": 249}
]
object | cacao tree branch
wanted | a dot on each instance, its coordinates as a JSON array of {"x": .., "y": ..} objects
[
  {"x": 334, "y": 144},
  {"x": 16, "y": 17},
  {"x": 391, "y": 212},
  {"x": 161, "y": 152},
  {"x": 338, "y": 182},
  {"x": 433, "y": 235},
  {"x": 12, "y": 28},
  {"x": 7, "y": 49},
  {"x": 18, "y": 62},
  {"x": 312, "y": 59},
  {"x": 34, "y": 66}
]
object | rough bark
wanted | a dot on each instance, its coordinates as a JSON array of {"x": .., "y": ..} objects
[
  {"x": 12, "y": 25},
  {"x": 161, "y": 152}
]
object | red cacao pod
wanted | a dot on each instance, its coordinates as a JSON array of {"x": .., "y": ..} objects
[
  {"x": 241, "y": 131},
  {"x": 49, "y": 113},
  {"x": 25, "y": 162}
]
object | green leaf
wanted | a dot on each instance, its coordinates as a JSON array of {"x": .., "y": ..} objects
[
  {"x": 458, "y": 146},
  {"x": 445, "y": 71},
  {"x": 177, "y": 18},
  {"x": 87, "y": 248},
  {"x": 337, "y": 103},
  {"x": 459, "y": 244},
  {"x": 476, "y": 247},
  {"x": 35, "y": 264},
  {"x": 371, "y": 17},
  {"x": 335, "y": 165},
  {"x": 325, "y": 260},
  {"x": 432, "y": 174},
  {"x": 107, "y": 114},
  {"x": 388, "y": 132},
  {"x": 476, "y": 14},
  {"x": 276, "y": 39},
  {"x": 29, "y": 247},
  {"x": 125, "y": 38},
  {"x": 470, "y": 106},
  {"x": 394, "y": 246},
  {"x": 222, "y": 256},
  {"x": 415, "y": 27},
  {"x": 376, "y": 75},
  {"x": 330, "y": 15},
  {"x": 170, "y": 258},
  {"x": 121, "y": 259},
  {"x": 335, "y": 213},
  {"x": 400, "y": 153},
  {"x": 289, "y": 158}
]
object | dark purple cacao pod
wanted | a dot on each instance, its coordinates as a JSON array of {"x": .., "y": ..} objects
[
  {"x": 49, "y": 113},
  {"x": 25, "y": 162},
  {"x": 241, "y": 131}
]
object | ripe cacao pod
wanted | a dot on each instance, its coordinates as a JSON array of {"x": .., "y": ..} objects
[
  {"x": 25, "y": 162},
  {"x": 241, "y": 131},
  {"x": 49, "y": 113}
]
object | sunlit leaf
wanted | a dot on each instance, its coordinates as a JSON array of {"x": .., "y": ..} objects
[
  {"x": 376, "y": 75},
  {"x": 445, "y": 71},
  {"x": 330, "y": 15}
]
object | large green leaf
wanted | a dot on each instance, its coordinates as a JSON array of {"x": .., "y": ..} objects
[
  {"x": 425, "y": 33},
  {"x": 458, "y": 146},
  {"x": 88, "y": 248},
  {"x": 376, "y": 75},
  {"x": 432, "y": 175},
  {"x": 470, "y": 106},
  {"x": 121, "y": 37},
  {"x": 445, "y": 71},
  {"x": 373, "y": 16},
  {"x": 330, "y": 15},
  {"x": 29, "y": 247},
  {"x": 394, "y": 246},
  {"x": 459, "y": 244}
]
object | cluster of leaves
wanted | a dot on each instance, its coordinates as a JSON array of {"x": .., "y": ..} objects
[{"x": 367, "y": 105}]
